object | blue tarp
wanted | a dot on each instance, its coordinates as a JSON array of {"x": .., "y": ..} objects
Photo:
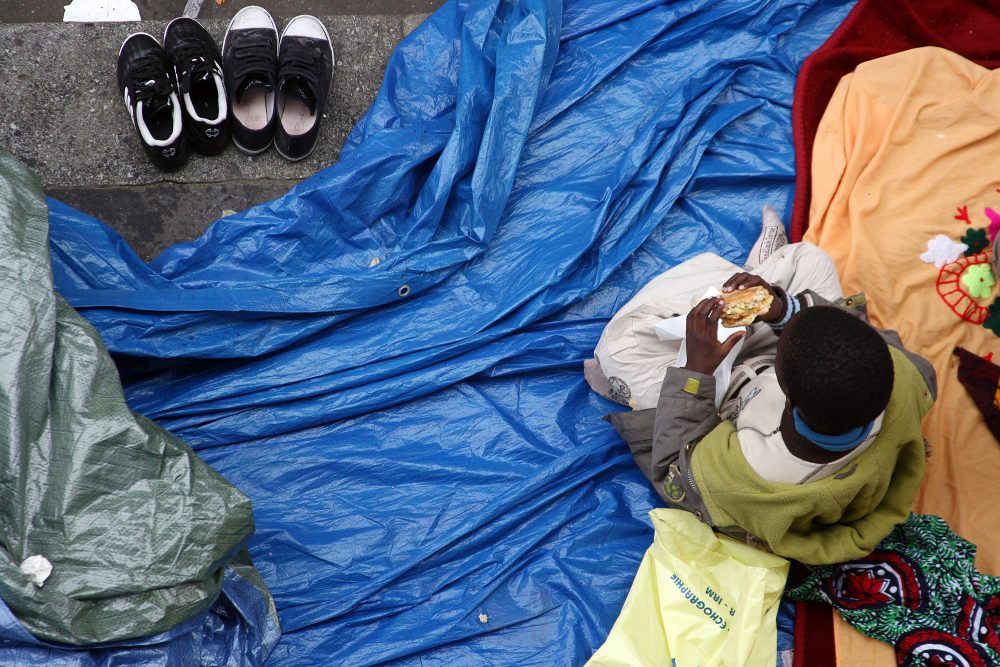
[
  {"x": 236, "y": 631},
  {"x": 387, "y": 360}
]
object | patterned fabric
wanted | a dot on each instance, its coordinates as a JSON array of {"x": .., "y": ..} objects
[
  {"x": 981, "y": 378},
  {"x": 919, "y": 591},
  {"x": 977, "y": 240},
  {"x": 992, "y": 321},
  {"x": 942, "y": 250},
  {"x": 978, "y": 280},
  {"x": 951, "y": 290}
]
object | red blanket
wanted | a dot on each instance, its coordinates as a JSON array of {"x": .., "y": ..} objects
[{"x": 877, "y": 28}]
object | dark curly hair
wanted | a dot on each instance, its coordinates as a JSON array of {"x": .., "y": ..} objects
[{"x": 835, "y": 368}]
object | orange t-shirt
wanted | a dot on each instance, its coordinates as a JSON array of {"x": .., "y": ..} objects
[{"x": 909, "y": 148}]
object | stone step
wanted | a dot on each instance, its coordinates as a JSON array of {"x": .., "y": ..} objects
[
  {"x": 155, "y": 216},
  {"x": 39, "y": 11},
  {"x": 63, "y": 115}
]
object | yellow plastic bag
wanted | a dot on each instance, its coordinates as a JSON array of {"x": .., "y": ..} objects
[{"x": 698, "y": 600}]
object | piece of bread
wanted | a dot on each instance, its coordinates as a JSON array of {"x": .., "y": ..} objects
[{"x": 742, "y": 307}]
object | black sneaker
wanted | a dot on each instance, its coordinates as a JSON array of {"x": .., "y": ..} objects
[
  {"x": 146, "y": 82},
  {"x": 305, "y": 68},
  {"x": 198, "y": 71},
  {"x": 250, "y": 61}
]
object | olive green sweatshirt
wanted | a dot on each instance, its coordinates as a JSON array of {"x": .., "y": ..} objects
[{"x": 836, "y": 519}]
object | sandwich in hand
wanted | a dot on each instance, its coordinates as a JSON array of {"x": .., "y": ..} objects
[{"x": 741, "y": 308}]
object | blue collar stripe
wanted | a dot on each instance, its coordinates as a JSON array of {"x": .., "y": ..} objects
[{"x": 832, "y": 443}]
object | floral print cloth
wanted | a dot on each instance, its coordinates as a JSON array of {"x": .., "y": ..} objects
[{"x": 919, "y": 591}]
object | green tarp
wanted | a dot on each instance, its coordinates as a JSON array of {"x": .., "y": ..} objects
[{"x": 137, "y": 528}]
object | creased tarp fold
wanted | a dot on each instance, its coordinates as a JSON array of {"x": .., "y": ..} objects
[
  {"x": 419, "y": 463},
  {"x": 138, "y": 530}
]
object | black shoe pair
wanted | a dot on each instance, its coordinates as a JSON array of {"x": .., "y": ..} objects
[
  {"x": 277, "y": 87},
  {"x": 176, "y": 93}
]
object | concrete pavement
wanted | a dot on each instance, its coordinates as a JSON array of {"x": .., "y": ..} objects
[
  {"x": 40, "y": 11},
  {"x": 63, "y": 117}
]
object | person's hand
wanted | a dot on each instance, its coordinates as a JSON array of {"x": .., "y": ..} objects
[
  {"x": 748, "y": 280},
  {"x": 704, "y": 351}
]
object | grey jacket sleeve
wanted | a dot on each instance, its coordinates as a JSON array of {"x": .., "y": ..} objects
[
  {"x": 662, "y": 439},
  {"x": 685, "y": 413},
  {"x": 858, "y": 305}
]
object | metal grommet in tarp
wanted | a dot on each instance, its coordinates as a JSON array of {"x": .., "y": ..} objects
[
  {"x": 441, "y": 435},
  {"x": 403, "y": 291}
]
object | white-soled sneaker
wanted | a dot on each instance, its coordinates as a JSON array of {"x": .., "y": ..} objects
[
  {"x": 198, "y": 71},
  {"x": 146, "y": 83},
  {"x": 305, "y": 70},
  {"x": 250, "y": 63}
]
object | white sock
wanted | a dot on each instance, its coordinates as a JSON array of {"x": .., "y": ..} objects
[{"x": 772, "y": 236}]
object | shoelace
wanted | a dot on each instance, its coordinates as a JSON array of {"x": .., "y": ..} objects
[
  {"x": 149, "y": 83},
  {"x": 255, "y": 57},
  {"x": 303, "y": 63},
  {"x": 195, "y": 64}
]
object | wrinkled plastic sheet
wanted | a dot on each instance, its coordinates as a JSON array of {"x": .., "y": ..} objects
[
  {"x": 135, "y": 534},
  {"x": 387, "y": 360},
  {"x": 237, "y": 631}
]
